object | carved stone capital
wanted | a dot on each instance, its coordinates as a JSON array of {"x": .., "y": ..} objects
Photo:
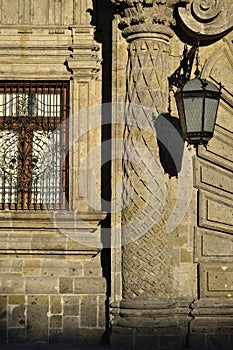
[
  {"x": 141, "y": 17},
  {"x": 210, "y": 18}
]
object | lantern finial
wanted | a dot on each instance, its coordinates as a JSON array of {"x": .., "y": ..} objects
[{"x": 197, "y": 72}]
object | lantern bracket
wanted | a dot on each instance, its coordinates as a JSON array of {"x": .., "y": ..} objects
[{"x": 183, "y": 72}]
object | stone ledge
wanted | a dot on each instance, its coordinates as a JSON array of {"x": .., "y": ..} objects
[
  {"x": 56, "y": 233},
  {"x": 155, "y": 315},
  {"x": 50, "y": 219}
]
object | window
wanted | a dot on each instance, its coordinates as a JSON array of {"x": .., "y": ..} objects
[{"x": 33, "y": 145}]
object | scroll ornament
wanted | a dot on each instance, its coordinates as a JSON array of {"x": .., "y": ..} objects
[{"x": 210, "y": 18}]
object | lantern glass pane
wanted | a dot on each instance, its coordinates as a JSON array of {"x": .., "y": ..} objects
[
  {"x": 211, "y": 106},
  {"x": 193, "y": 113}
]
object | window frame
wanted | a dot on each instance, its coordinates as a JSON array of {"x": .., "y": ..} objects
[{"x": 29, "y": 87}]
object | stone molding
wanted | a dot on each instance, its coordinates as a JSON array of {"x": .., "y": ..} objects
[
  {"x": 215, "y": 212},
  {"x": 210, "y": 177},
  {"x": 85, "y": 59},
  {"x": 46, "y": 12},
  {"x": 213, "y": 246},
  {"x": 211, "y": 308},
  {"x": 222, "y": 140},
  {"x": 59, "y": 52},
  {"x": 210, "y": 19},
  {"x": 28, "y": 52},
  {"x": 211, "y": 326},
  {"x": 216, "y": 280},
  {"x": 152, "y": 314},
  {"x": 55, "y": 233},
  {"x": 45, "y": 220}
]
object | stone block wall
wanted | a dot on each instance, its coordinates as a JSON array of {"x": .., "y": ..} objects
[
  {"x": 52, "y": 288},
  {"x": 51, "y": 300}
]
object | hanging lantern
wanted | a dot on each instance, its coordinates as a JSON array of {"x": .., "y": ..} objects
[{"x": 197, "y": 103}]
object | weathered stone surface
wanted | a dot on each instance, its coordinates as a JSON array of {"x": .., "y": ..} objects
[
  {"x": 71, "y": 329},
  {"x": 85, "y": 285},
  {"x": 214, "y": 178},
  {"x": 40, "y": 253},
  {"x": 5, "y": 265},
  {"x": 212, "y": 324},
  {"x": 91, "y": 336},
  {"x": 89, "y": 311},
  {"x": 146, "y": 342},
  {"x": 66, "y": 285},
  {"x": 212, "y": 174},
  {"x": 71, "y": 305},
  {"x": 55, "y": 321},
  {"x": 12, "y": 283},
  {"x": 37, "y": 319},
  {"x": 145, "y": 242},
  {"x": 44, "y": 285},
  {"x": 16, "y": 316},
  {"x": 92, "y": 268},
  {"x": 75, "y": 268},
  {"x": 55, "y": 304},
  {"x": 46, "y": 13},
  {"x": 102, "y": 302},
  {"x": 122, "y": 338}
]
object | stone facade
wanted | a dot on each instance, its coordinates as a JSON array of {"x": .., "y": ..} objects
[
  {"x": 143, "y": 258},
  {"x": 185, "y": 257},
  {"x": 52, "y": 285}
]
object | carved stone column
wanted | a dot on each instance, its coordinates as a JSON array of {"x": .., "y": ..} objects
[
  {"x": 146, "y": 261},
  {"x": 147, "y": 309}
]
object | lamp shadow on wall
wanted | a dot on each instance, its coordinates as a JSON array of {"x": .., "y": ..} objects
[{"x": 170, "y": 143}]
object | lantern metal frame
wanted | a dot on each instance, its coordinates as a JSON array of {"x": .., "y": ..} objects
[{"x": 190, "y": 91}]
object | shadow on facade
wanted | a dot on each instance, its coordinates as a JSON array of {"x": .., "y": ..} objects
[
  {"x": 102, "y": 20},
  {"x": 170, "y": 142}
]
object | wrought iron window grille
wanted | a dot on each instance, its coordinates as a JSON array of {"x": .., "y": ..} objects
[{"x": 33, "y": 145}]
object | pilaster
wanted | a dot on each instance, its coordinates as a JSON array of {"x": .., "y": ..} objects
[{"x": 84, "y": 63}]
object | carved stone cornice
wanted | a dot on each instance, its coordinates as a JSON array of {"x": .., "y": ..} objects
[
  {"x": 85, "y": 58},
  {"x": 147, "y": 17},
  {"x": 210, "y": 18}
]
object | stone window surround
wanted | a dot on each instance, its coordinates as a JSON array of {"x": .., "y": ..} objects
[{"x": 64, "y": 53}]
